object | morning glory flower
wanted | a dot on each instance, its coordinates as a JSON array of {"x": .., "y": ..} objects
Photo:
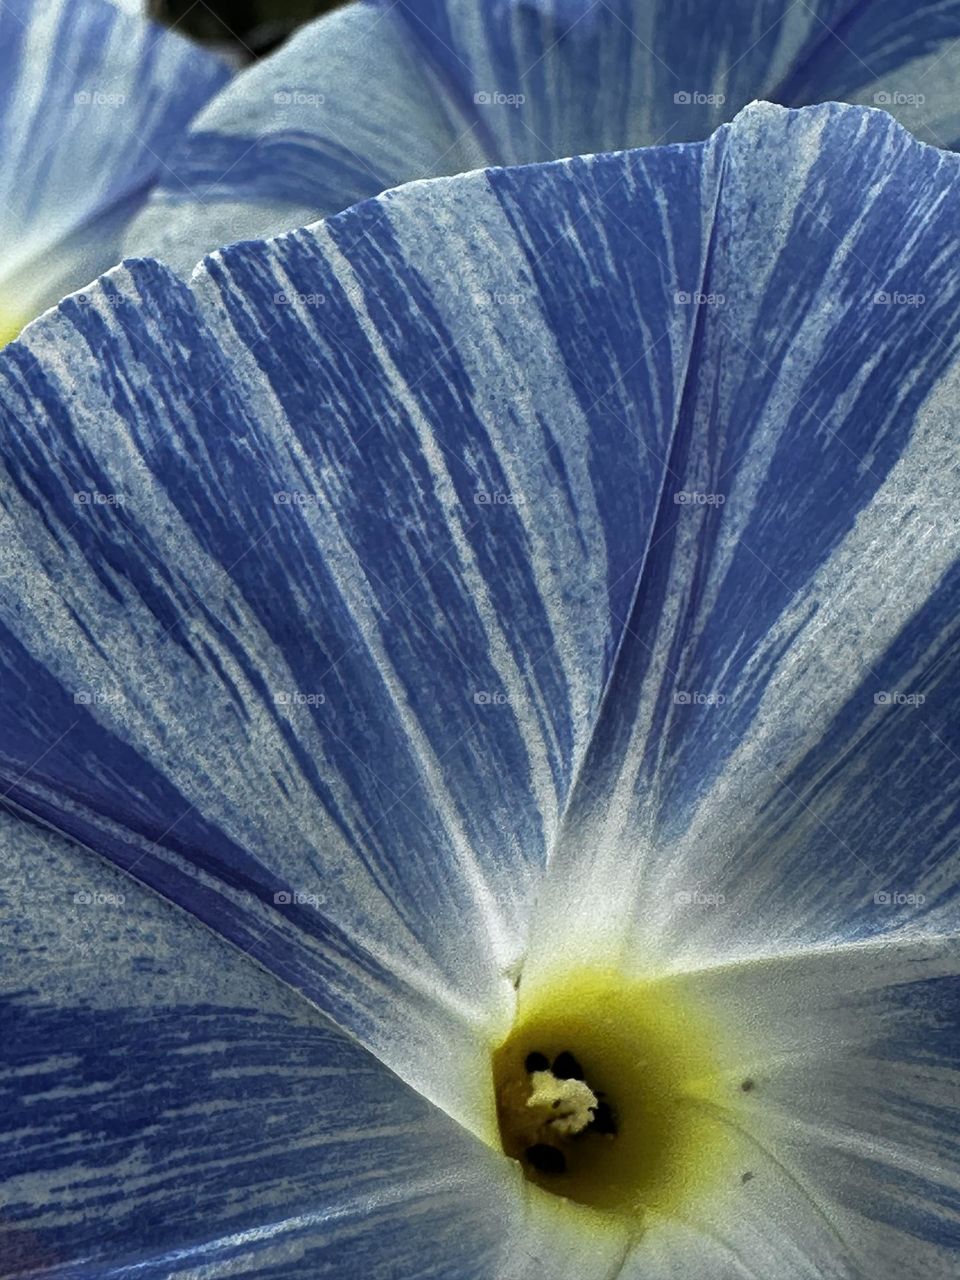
[
  {"x": 376, "y": 94},
  {"x": 91, "y": 103},
  {"x": 492, "y": 649}
]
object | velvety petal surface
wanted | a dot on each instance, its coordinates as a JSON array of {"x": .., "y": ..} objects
[
  {"x": 374, "y": 95},
  {"x": 905, "y": 60},
  {"x": 170, "y": 1109},
  {"x": 775, "y": 764},
  {"x": 92, "y": 101},
  {"x": 840, "y": 1078},
  {"x": 326, "y": 561},
  {"x": 389, "y": 558}
]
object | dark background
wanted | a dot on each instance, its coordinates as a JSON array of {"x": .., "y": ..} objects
[{"x": 252, "y": 28}]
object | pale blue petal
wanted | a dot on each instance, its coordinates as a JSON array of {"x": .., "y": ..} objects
[
  {"x": 168, "y": 1108},
  {"x": 92, "y": 101},
  {"x": 345, "y": 109},
  {"x": 377, "y": 94},
  {"x": 766, "y": 769}
]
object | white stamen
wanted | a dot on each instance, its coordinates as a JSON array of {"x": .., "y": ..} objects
[{"x": 569, "y": 1104}]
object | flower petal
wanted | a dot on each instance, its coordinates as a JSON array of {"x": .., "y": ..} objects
[
  {"x": 374, "y": 95},
  {"x": 146, "y": 661},
  {"x": 327, "y": 573},
  {"x": 882, "y": 55},
  {"x": 763, "y": 766},
  {"x": 345, "y": 109},
  {"x": 168, "y": 1108},
  {"x": 91, "y": 102},
  {"x": 843, "y": 1075}
]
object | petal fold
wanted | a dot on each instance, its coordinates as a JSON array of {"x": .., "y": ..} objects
[
  {"x": 774, "y": 764},
  {"x": 329, "y": 572}
]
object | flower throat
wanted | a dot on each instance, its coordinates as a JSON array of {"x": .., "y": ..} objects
[{"x": 607, "y": 1091}]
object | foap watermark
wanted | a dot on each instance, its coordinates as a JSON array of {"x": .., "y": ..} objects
[
  {"x": 897, "y": 98},
  {"x": 298, "y": 98},
  {"x": 298, "y": 898},
  {"x": 498, "y": 498},
  {"x": 694, "y": 298},
  {"x": 893, "y": 698},
  {"x": 499, "y": 297},
  {"x": 893, "y": 298},
  {"x": 95, "y": 898},
  {"x": 296, "y": 498},
  {"x": 694, "y": 98},
  {"x": 483, "y": 698},
  {"x": 295, "y": 698},
  {"x": 698, "y": 498},
  {"x": 494, "y": 98},
  {"x": 111, "y": 299},
  {"x": 897, "y": 898},
  {"x": 95, "y": 498},
  {"x": 694, "y": 698},
  {"x": 698, "y": 898},
  {"x": 98, "y": 98},
  {"x": 285, "y": 298},
  {"x": 97, "y": 697}
]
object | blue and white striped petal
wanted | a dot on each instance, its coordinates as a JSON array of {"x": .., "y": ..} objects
[
  {"x": 375, "y": 95},
  {"x": 346, "y": 533},
  {"x": 366, "y": 573},
  {"x": 904, "y": 60},
  {"x": 169, "y": 1109},
  {"x": 775, "y": 761},
  {"x": 91, "y": 102}
]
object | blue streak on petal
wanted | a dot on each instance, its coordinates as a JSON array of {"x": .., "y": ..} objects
[
  {"x": 824, "y": 559},
  {"x": 376, "y": 95},
  {"x": 167, "y": 1106},
  {"x": 883, "y": 55}
]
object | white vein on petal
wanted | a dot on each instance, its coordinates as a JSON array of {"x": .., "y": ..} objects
[{"x": 514, "y": 682}]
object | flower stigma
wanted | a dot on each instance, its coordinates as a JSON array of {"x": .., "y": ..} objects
[{"x": 608, "y": 1093}]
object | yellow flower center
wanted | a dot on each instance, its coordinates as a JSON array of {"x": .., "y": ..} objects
[
  {"x": 9, "y": 327},
  {"x": 605, "y": 1089}
]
